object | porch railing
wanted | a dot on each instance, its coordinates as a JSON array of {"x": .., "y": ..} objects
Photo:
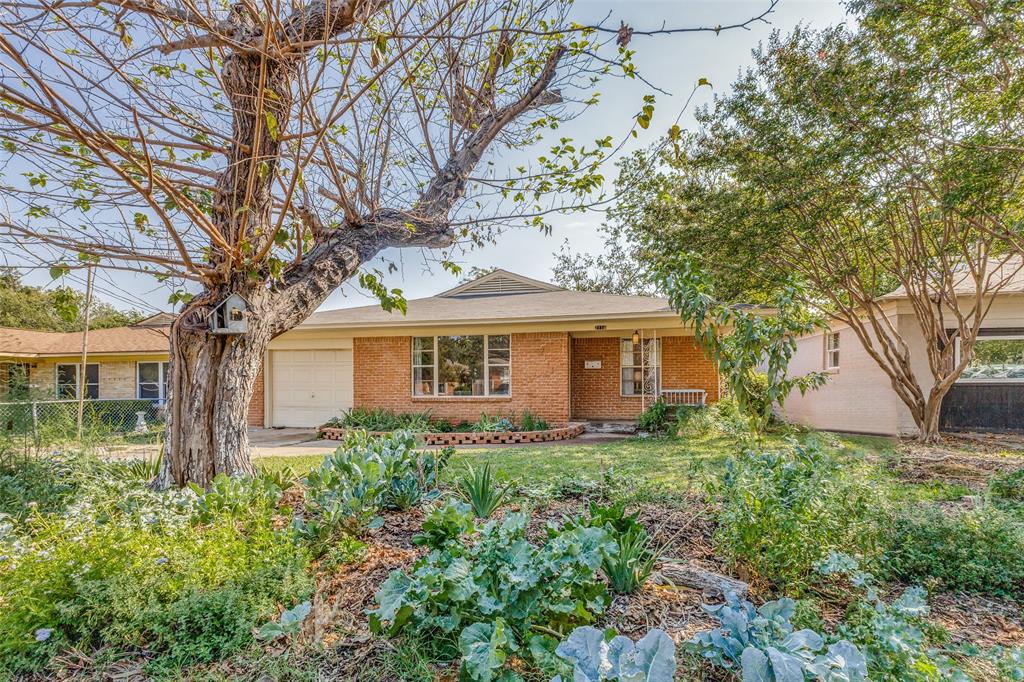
[{"x": 695, "y": 397}]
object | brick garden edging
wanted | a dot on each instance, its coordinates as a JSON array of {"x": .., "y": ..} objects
[{"x": 474, "y": 437}]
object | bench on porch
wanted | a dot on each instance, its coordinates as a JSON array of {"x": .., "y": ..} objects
[{"x": 696, "y": 397}]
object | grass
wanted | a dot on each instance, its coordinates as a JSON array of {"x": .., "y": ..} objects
[{"x": 672, "y": 465}]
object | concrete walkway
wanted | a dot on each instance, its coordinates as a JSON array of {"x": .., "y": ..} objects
[{"x": 302, "y": 442}]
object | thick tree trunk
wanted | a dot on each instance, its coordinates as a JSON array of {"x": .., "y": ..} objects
[{"x": 212, "y": 378}]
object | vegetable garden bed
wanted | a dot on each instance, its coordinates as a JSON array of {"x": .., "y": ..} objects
[{"x": 567, "y": 432}]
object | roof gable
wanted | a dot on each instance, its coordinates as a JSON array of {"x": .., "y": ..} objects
[{"x": 497, "y": 283}]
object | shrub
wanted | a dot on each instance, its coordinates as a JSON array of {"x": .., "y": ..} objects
[
  {"x": 43, "y": 484},
  {"x": 656, "y": 418},
  {"x": 781, "y": 512},
  {"x": 188, "y": 593},
  {"x": 722, "y": 418},
  {"x": 1008, "y": 485},
  {"x": 487, "y": 597},
  {"x": 979, "y": 550},
  {"x": 480, "y": 489}
]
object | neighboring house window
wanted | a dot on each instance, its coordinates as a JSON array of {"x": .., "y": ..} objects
[
  {"x": 640, "y": 366},
  {"x": 832, "y": 350},
  {"x": 14, "y": 381},
  {"x": 995, "y": 358},
  {"x": 67, "y": 380},
  {"x": 152, "y": 380},
  {"x": 462, "y": 365}
]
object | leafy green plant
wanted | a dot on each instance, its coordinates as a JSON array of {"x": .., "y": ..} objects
[
  {"x": 978, "y": 550},
  {"x": 629, "y": 564},
  {"x": 494, "y": 424},
  {"x": 783, "y": 511},
  {"x": 480, "y": 489},
  {"x": 763, "y": 645},
  {"x": 378, "y": 419},
  {"x": 289, "y": 623},
  {"x": 656, "y": 418},
  {"x": 893, "y": 636},
  {"x": 497, "y": 595},
  {"x": 531, "y": 422},
  {"x": 596, "y": 656},
  {"x": 234, "y": 496},
  {"x": 445, "y": 524},
  {"x": 1008, "y": 485}
]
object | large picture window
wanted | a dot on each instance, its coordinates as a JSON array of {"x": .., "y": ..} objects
[
  {"x": 151, "y": 379},
  {"x": 641, "y": 367},
  {"x": 996, "y": 358},
  {"x": 472, "y": 365},
  {"x": 67, "y": 381}
]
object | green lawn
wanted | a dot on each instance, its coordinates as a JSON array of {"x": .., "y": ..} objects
[{"x": 666, "y": 464}]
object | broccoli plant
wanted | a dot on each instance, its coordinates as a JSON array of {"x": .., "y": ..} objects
[
  {"x": 598, "y": 656},
  {"x": 496, "y": 595},
  {"x": 763, "y": 645}
]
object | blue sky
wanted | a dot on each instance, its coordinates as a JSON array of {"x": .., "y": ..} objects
[{"x": 673, "y": 63}]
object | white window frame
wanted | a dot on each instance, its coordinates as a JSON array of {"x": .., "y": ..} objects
[
  {"x": 164, "y": 366},
  {"x": 657, "y": 369},
  {"x": 986, "y": 380},
  {"x": 832, "y": 351},
  {"x": 78, "y": 378},
  {"x": 487, "y": 369}
]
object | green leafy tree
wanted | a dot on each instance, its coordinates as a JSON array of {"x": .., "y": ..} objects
[
  {"x": 60, "y": 309},
  {"x": 616, "y": 270},
  {"x": 751, "y": 346},
  {"x": 858, "y": 161}
]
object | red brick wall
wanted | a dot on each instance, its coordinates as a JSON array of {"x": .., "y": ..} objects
[
  {"x": 596, "y": 393},
  {"x": 256, "y": 404},
  {"x": 540, "y": 379}
]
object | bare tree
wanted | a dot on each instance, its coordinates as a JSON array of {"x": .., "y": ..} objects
[{"x": 269, "y": 149}]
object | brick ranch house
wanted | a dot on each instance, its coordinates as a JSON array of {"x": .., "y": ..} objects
[
  {"x": 499, "y": 344},
  {"x": 123, "y": 363}
]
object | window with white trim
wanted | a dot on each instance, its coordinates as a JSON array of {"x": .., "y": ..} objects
[
  {"x": 640, "y": 367},
  {"x": 151, "y": 380},
  {"x": 832, "y": 350},
  {"x": 67, "y": 380},
  {"x": 995, "y": 358},
  {"x": 465, "y": 365}
]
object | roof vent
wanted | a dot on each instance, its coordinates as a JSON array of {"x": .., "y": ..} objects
[{"x": 499, "y": 283}]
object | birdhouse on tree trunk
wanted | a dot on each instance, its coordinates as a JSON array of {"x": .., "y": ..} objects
[{"x": 231, "y": 316}]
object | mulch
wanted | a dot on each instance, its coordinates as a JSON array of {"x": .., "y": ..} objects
[{"x": 954, "y": 461}]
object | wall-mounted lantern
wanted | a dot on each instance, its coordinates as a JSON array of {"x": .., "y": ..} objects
[
  {"x": 636, "y": 337},
  {"x": 231, "y": 316}
]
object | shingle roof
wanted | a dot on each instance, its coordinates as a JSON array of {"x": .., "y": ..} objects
[
  {"x": 136, "y": 339},
  {"x": 1007, "y": 271},
  {"x": 468, "y": 304}
]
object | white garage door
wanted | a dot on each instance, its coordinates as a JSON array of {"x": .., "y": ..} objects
[{"x": 310, "y": 386}]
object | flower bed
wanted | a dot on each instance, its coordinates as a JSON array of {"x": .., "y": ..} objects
[{"x": 473, "y": 437}]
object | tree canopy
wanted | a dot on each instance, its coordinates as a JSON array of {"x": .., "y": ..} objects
[{"x": 60, "y": 309}]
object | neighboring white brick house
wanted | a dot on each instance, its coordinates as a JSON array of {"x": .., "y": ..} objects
[{"x": 859, "y": 396}]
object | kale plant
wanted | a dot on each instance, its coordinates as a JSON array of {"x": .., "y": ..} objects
[
  {"x": 498, "y": 595},
  {"x": 763, "y": 645},
  {"x": 892, "y": 635},
  {"x": 596, "y": 657}
]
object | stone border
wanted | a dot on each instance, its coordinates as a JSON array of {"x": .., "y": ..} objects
[{"x": 473, "y": 437}]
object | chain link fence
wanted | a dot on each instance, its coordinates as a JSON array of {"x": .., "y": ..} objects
[{"x": 113, "y": 428}]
